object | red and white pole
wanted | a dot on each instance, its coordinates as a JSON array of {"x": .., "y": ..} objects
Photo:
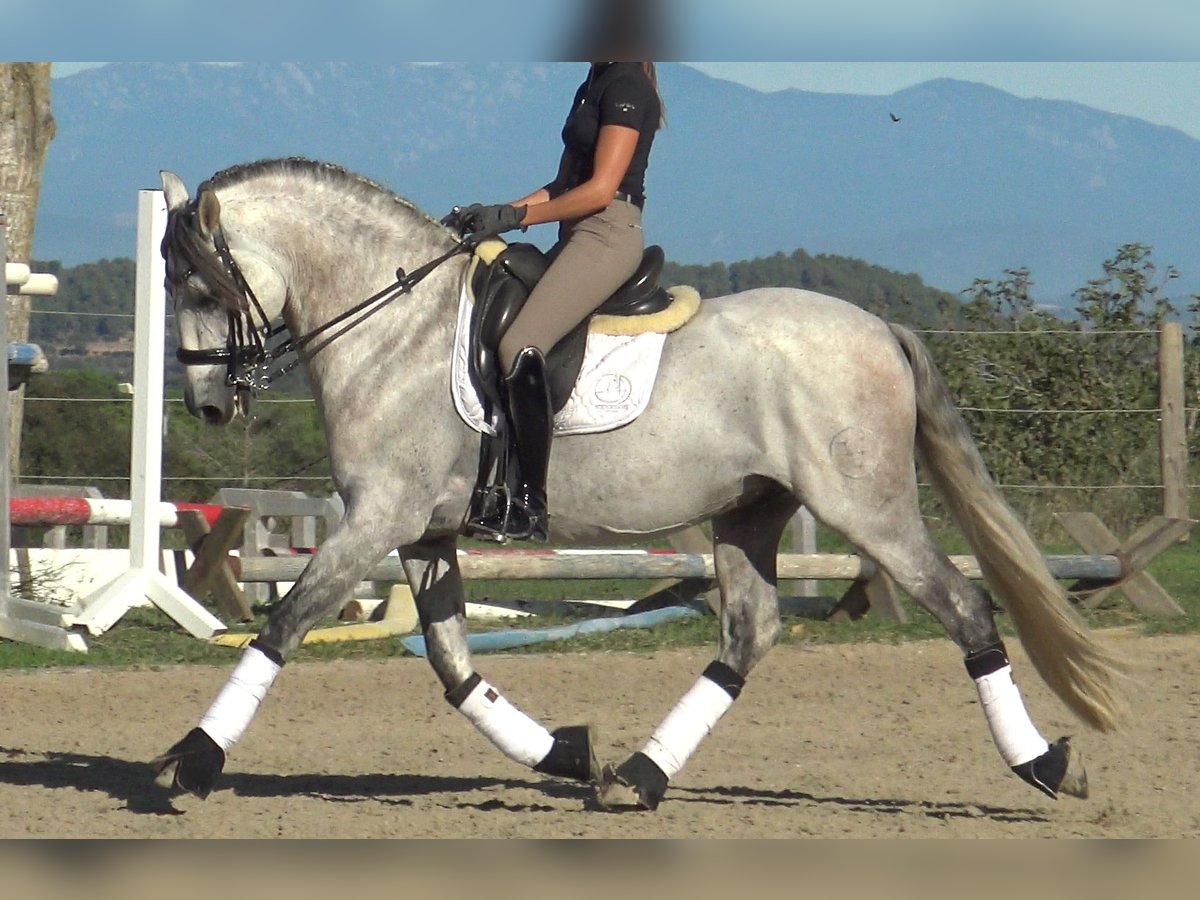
[{"x": 52, "y": 511}]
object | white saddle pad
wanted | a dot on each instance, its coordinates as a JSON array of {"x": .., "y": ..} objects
[{"x": 612, "y": 390}]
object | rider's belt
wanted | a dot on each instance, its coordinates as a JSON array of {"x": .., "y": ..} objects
[{"x": 639, "y": 202}]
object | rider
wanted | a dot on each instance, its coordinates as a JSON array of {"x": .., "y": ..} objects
[{"x": 597, "y": 197}]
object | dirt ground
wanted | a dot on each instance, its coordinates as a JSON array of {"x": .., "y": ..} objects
[{"x": 829, "y": 741}]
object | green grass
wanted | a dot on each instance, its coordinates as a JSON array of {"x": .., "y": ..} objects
[{"x": 146, "y": 638}]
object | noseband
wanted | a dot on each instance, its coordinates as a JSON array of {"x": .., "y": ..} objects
[{"x": 246, "y": 356}]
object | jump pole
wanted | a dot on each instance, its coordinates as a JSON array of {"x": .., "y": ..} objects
[
  {"x": 51, "y": 511},
  {"x": 522, "y": 565},
  {"x": 143, "y": 580}
]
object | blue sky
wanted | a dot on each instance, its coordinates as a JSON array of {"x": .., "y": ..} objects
[
  {"x": 964, "y": 30},
  {"x": 1031, "y": 30},
  {"x": 1165, "y": 93}
]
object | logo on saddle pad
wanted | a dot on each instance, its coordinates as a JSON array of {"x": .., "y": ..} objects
[{"x": 613, "y": 390}]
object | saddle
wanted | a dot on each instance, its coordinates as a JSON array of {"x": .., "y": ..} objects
[
  {"x": 502, "y": 277},
  {"x": 502, "y": 280}
]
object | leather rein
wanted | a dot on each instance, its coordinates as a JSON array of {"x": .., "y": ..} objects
[{"x": 246, "y": 355}]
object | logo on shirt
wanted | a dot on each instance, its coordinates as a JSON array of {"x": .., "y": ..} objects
[{"x": 626, "y": 107}]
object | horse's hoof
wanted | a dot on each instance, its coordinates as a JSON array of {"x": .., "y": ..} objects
[
  {"x": 572, "y": 755},
  {"x": 1059, "y": 770},
  {"x": 1075, "y": 781},
  {"x": 191, "y": 765},
  {"x": 615, "y": 795},
  {"x": 637, "y": 784}
]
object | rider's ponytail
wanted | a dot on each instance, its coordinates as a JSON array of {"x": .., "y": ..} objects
[{"x": 648, "y": 68}]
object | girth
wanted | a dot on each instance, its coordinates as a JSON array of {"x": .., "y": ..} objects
[{"x": 503, "y": 278}]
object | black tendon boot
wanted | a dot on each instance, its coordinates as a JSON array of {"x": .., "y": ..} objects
[{"x": 531, "y": 424}]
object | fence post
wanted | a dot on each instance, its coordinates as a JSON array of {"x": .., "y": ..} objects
[
  {"x": 1173, "y": 451},
  {"x": 5, "y": 472},
  {"x": 804, "y": 540}
]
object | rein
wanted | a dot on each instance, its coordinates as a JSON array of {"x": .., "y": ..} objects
[{"x": 246, "y": 355}]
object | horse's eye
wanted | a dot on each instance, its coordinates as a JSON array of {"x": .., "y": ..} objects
[
  {"x": 193, "y": 294},
  {"x": 204, "y": 301}
]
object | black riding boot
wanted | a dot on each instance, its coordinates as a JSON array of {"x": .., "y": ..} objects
[{"x": 531, "y": 423}]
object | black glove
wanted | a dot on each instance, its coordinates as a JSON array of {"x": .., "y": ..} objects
[
  {"x": 483, "y": 222},
  {"x": 457, "y": 217}
]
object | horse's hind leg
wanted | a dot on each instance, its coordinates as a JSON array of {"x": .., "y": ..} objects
[
  {"x": 433, "y": 575},
  {"x": 897, "y": 540},
  {"x": 745, "y": 545}
]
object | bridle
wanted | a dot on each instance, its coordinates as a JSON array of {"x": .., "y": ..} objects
[
  {"x": 245, "y": 343},
  {"x": 248, "y": 359}
]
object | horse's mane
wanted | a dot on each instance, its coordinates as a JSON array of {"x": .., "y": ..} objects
[
  {"x": 183, "y": 240},
  {"x": 323, "y": 173}
]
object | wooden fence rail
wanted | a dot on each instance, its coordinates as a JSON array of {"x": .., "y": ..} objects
[{"x": 592, "y": 565}]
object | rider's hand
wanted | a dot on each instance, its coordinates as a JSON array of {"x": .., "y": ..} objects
[
  {"x": 482, "y": 222},
  {"x": 457, "y": 217}
]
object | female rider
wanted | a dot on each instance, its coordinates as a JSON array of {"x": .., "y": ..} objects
[{"x": 597, "y": 197}]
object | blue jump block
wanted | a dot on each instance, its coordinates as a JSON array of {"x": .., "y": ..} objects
[
  {"x": 24, "y": 361},
  {"x": 25, "y": 354}
]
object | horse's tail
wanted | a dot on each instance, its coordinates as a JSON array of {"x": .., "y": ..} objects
[{"x": 1085, "y": 675}]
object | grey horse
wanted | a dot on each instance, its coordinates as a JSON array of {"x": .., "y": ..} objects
[{"x": 768, "y": 400}]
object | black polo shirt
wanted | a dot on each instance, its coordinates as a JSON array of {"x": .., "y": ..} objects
[{"x": 616, "y": 93}]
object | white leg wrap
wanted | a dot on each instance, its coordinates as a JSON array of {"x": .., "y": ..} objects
[
  {"x": 517, "y": 736},
  {"x": 230, "y": 715},
  {"x": 1015, "y": 735},
  {"x": 681, "y": 732}
]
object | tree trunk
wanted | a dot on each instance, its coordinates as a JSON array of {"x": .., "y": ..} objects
[{"x": 26, "y": 129}]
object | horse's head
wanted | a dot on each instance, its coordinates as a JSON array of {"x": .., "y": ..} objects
[{"x": 225, "y": 295}]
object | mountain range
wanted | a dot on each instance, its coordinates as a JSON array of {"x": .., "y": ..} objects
[{"x": 949, "y": 180}]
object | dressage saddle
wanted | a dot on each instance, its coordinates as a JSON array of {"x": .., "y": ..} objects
[{"x": 502, "y": 286}]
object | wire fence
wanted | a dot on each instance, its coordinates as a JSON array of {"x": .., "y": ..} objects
[{"x": 1124, "y": 493}]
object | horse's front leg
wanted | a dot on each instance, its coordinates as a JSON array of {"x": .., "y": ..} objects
[
  {"x": 194, "y": 763},
  {"x": 436, "y": 582},
  {"x": 745, "y": 543}
]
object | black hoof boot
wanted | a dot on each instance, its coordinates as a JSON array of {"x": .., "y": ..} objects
[
  {"x": 571, "y": 756},
  {"x": 638, "y": 783},
  {"x": 192, "y": 765},
  {"x": 1058, "y": 770}
]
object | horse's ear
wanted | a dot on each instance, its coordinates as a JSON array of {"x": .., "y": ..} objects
[
  {"x": 210, "y": 213},
  {"x": 174, "y": 190}
]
